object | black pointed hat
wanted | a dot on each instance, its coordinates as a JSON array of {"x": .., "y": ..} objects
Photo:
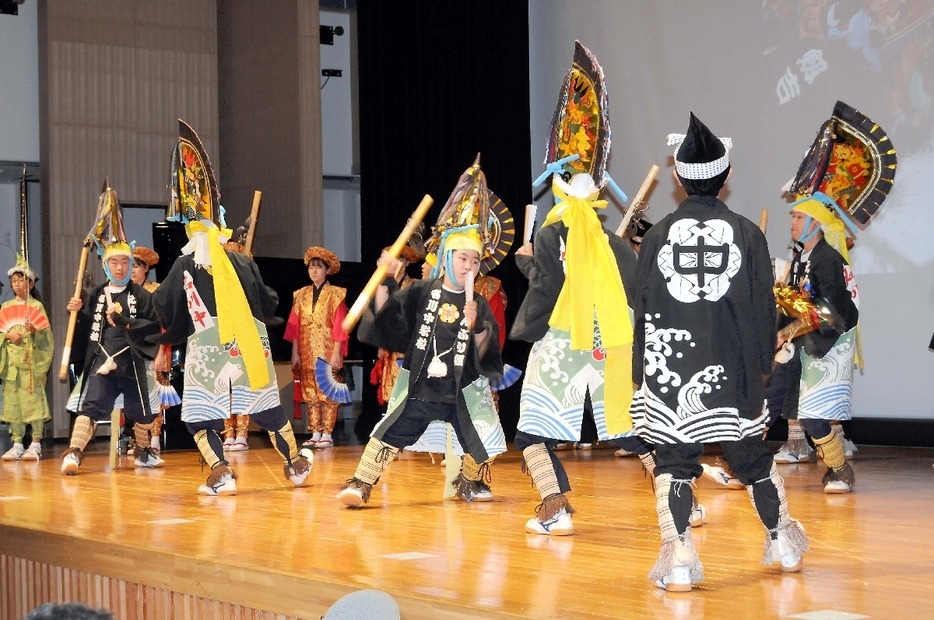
[{"x": 700, "y": 154}]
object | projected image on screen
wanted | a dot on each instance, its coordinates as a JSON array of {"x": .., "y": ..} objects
[{"x": 884, "y": 50}]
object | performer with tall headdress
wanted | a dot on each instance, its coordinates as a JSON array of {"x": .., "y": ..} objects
[
  {"x": 451, "y": 344},
  {"x": 704, "y": 338},
  {"x": 26, "y": 351},
  {"x": 462, "y": 468},
  {"x": 845, "y": 175},
  {"x": 216, "y": 301},
  {"x": 314, "y": 329},
  {"x": 576, "y": 308},
  {"x": 118, "y": 362}
]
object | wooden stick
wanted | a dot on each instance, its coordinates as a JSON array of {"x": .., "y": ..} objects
[
  {"x": 254, "y": 213},
  {"x": 640, "y": 197},
  {"x": 73, "y": 317},
  {"x": 115, "y": 429},
  {"x": 530, "y": 212},
  {"x": 763, "y": 220},
  {"x": 353, "y": 315}
]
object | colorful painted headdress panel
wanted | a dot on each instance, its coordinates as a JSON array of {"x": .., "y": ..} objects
[
  {"x": 852, "y": 161},
  {"x": 107, "y": 233},
  {"x": 475, "y": 210},
  {"x": 194, "y": 190},
  {"x": 581, "y": 123}
]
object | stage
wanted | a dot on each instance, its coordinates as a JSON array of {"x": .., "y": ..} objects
[{"x": 142, "y": 543}]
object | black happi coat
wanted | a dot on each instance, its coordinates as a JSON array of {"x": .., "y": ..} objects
[
  {"x": 545, "y": 271},
  {"x": 172, "y": 303},
  {"x": 140, "y": 317},
  {"x": 395, "y": 328},
  {"x": 705, "y": 326}
]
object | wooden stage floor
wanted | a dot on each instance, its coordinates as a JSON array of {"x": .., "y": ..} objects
[{"x": 295, "y": 551}]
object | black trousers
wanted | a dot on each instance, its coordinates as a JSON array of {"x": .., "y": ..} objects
[
  {"x": 749, "y": 458},
  {"x": 101, "y": 394},
  {"x": 415, "y": 418}
]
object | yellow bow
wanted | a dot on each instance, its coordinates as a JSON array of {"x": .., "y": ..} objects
[
  {"x": 235, "y": 322},
  {"x": 593, "y": 287}
]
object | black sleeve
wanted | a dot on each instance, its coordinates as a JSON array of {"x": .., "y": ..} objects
[
  {"x": 651, "y": 243},
  {"x": 144, "y": 326},
  {"x": 524, "y": 264},
  {"x": 763, "y": 296},
  {"x": 391, "y": 328},
  {"x": 626, "y": 261},
  {"x": 489, "y": 357},
  {"x": 829, "y": 284},
  {"x": 171, "y": 305},
  {"x": 546, "y": 278}
]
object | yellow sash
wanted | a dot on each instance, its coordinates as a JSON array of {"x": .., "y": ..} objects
[
  {"x": 593, "y": 287},
  {"x": 235, "y": 322}
]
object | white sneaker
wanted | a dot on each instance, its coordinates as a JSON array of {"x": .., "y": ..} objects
[
  {"x": 352, "y": 497},
  {"x": 484, "y": 494},
  {"x": 559, "y": 525},
  {"x": 33, "y": 452},
  {"x": 239, "y": 445},
  {"x": 15, "y": 453},
  {"x": 837, "y": 487},
  {"x": 623, "y": 453},
  {"x": 791, "y": 561},
  {"x": 300, "y": 467},
  {"x": 698, "y": 515},
  {"x": 228, "y": 443},
  {"x": 677, "y": 580},
  {"x": 227, "y": 485},
  {"x": 721, "y": 476},
  {"x": 784, "y": 456},
  {"x": 155, "y": 444},
  {"x": 71, "y": 462},
  {"x": 145, "y": 457},
  {"x": 849, "y": 449}
]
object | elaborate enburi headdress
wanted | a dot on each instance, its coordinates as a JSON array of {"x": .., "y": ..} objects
[
  {"x": 194, "y": 194},
  {"x": 22, "y": 268},
  {"x": 846, "y": 174},
  {"x": 581, "y": 122},
  {"x": 107, "y": 233},
  {"x": 473, "y": 218},
  {"x": 699, "y": 154}
]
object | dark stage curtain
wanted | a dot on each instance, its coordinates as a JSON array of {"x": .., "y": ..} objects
[{"x": 440, "y": 82}]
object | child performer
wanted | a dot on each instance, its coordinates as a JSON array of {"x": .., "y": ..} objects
[
  {"x": 314, "y": 329},
  {"x": 117, "y": 362},
  {"x": 25, "y": 357},
  {"x": 216, "y": 300},
  {"x": 449, "y": 342}
]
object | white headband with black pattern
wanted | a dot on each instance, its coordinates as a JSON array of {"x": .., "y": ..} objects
[{"x": 706, "y": 170}]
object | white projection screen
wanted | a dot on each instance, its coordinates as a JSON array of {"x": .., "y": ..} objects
[{"x": 767, "y": 74}]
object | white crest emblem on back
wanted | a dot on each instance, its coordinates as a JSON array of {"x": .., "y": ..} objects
[{"x": 699, "y": 260}]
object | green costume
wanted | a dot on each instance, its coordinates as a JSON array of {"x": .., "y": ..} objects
[{"x": 23, "y": 369}]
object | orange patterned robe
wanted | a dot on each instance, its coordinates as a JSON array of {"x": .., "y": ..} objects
[{"x": 316, "y": 326}]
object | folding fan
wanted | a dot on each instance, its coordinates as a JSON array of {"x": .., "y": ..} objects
[
  {"x": 16, "y": 314},
  {"x": 511, "y": 374},
  {"x": 168, "y": 397},
  {"x": 331, "y": 382}
]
